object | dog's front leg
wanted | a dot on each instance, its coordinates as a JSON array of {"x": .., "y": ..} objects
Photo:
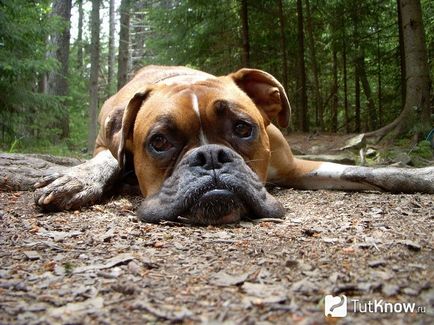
[{"x": 78, "y": 186}]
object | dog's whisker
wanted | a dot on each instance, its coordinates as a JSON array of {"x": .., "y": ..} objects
[
  {"x": 254, "y": 160},
  {"x": 184, "y": 219}
]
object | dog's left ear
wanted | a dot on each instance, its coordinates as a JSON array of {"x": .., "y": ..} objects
[
  {"x": 266, "y": 92},
  {"x": 128, "y": 120}
]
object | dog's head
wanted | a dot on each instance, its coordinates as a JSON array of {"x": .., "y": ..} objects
[{"x": 201, "y": 150}]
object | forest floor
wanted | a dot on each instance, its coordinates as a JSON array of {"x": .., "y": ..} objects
[
  {"x": 317, "y": 143},
  {"x": 100, "y": 265}
]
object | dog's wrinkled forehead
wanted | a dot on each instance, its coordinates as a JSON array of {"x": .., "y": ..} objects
[
  {"x": 195, "y": 107},
  {"x": 178, "y": 109}
]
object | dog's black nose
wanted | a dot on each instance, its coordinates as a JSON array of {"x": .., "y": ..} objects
[{"x": 211, "y": 156}]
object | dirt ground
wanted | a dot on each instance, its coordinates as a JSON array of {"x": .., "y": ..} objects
[
  {"x": 101, "y": 265},
  {"x": 302, "y": 143}
]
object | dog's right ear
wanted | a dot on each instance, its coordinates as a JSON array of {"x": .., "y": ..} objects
[
  {"x": 128, "y": 120},
  {"x": 266, "y": 92}
]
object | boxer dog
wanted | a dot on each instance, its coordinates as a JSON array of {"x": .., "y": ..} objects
[{"x": 202, "y": 149}]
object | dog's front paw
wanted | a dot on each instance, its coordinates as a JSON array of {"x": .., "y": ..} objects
[
  {"x": 78, "y": 186},
  {"x": 66, "y": 192}
]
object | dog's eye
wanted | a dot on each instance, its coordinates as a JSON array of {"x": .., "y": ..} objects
[
  {"x": 243, "y": 129},
  {"x": 160, "y": 143}
]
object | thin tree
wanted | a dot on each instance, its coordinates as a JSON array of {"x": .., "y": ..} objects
[
  {"x": 360, "y": 62},
  {"x": 283, "y": 46},
  {"x": 124, "y": 43},
  {"x": 319, "y": 106},
  {"x": 94, "y": 74},
  {"x": 415, "y": 117},
  {"x": 356, "y": 39},
  {"x": 111, "y": 49},
  {"x": 343, "y": 13},
  {"x": 58, "y": 79},
  {"x": 357, "y": 120},
  {"x": 303, "y": 123},
  {"x": 401, "y": 53},
  {"x": 138, "y": 33},
  {"x": 344, "y": 63},
  {"x": 379, "y": 78},
  {"x": 79, "y": 40},
  {"x": 341, "y": 30},
  {"x": 244, "y": 14},
  {"x": 335, "y": 99}
]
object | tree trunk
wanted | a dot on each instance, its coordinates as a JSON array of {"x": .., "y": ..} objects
[
  {"x": 58, "y": 80},
  {"x": 79, "y": 41},
  {"x": 94, "y": 74},
  {"x": 357, "y": 122},
  {"x": 335, "y": 101},
  {"x": 138, "y": 35},
  {"x": 319, "y": 104},
  {"x": 367, "y": 90},
  {"x": 283, "y": 45},
  {"x": 344, "y": 59},
  {"x": 43, "y": 77},
  {"x": 303, "y": 123},
  {"x": 244, "y": 15},
  {"x": 379, "y": 79},
  {"x": 416, "y": 114},
  {"x": 111, "y": 50},
  {"x": 355, "y": 5},
  {"x": 401, "y": 54},
  {"x": 19, "y": 172},
  {"x": 124, "y": 43}
]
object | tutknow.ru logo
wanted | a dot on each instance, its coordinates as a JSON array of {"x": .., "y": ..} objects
[{"x": 336, "y": 306}]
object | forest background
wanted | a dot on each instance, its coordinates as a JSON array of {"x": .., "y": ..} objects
[{"x": 344, "y": 63}]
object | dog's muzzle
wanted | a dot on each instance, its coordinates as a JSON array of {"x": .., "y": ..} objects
[{"x": 212, "y": 184}]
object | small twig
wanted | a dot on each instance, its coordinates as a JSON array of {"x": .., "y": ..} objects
[
  {"x": 222, "y": 241},
  {"x": 173, "y": 223},
  {"x": 275, "y": 220}
]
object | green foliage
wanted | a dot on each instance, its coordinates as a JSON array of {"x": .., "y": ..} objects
[
  {"x": 423, "y": 150},
  {"x": 204, "y": 35},
  {"x": 78, "y": 113},
  {"x": 428, "y": 19},
  {"x": 185, "y": 34},
  {"x": 200, "y": 34},
  {"x": 13, "y": 146},
  {"x": 25, "y": 113},
  {"x": 403, "y": 142},
  {"x": 69, "y": 267}
]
